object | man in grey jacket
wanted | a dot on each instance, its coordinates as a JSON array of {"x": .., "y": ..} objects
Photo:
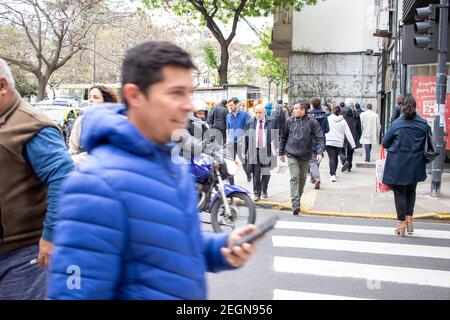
[{"x": 296, "y": 142}]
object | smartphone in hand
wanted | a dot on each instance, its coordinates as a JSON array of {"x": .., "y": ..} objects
[{"x": 261, "y": 229}]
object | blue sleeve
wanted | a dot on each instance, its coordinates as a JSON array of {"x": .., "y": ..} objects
[
  {"x": 48, "y": 156},
  {"x": 212, "y": 243},
  {"x": 388, "y": 137},
  {"x": 89, "y": 241}
]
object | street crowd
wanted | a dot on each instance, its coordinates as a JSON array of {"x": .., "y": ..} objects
[{"x": 115, "y": 217}]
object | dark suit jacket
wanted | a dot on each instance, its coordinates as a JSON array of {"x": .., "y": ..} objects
[{"x": 266, "y": 156}]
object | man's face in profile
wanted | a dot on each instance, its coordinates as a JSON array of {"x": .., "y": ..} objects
[{"x": 166, "y": 105}]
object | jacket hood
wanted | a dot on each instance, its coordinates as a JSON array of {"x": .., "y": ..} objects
[
  {"x": 108, "y": 124},
  {"x": 336, "y": 118}
]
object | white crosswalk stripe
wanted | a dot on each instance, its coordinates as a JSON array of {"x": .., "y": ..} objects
[
  {"x": 363, "y": 246},
  {"x": 299, "y": 295},
  {"x": 334, "y": 270},
  {"x": 422, "y": 233},
  {"x": 363, "y": 271}
]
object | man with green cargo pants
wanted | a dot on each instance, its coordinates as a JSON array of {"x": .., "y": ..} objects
[{"x": 296, "y": 142}]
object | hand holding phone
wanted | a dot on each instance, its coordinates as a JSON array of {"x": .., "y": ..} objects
[{"x": 261, "y": 229}]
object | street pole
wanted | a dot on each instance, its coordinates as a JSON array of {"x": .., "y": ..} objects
[
  {"x": 270, "y": 85},
  {"x": 441, "y": 87},
  {"x": 395, "y": 65},
  {"x": 95, "y": 62},
  {"x": 282, "y": 76},
  {"x": 276, "y": 95}
]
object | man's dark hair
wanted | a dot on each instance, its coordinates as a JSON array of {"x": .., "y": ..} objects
[
  {"x": 303, "y": 105},
  {"x": 224, "y": 102},
  {"x": 315, "y": 103},
  {"x": 234, "y": 100},
  {"x": 369, "y": 106},
  {"x": 280, "y": 101},
  {"x": 357, "y": 106},
  {"x": 342, "y": 105},
  {"x": 400, "y": 100},
  {"x": 143, "y": 63}
]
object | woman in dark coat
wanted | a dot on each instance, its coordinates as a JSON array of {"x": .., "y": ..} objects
[{"x": 405, "y": 162}]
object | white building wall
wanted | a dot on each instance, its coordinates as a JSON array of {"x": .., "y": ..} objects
[
  {"x": 335, "y": 26},
  {"x": 328, "y": 57},
  {"x": 333, "y": 77}
]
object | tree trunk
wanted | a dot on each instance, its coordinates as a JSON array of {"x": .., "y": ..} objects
[
  {"x": 42, "y": 84},
  {"x": 223, "y": 68}
]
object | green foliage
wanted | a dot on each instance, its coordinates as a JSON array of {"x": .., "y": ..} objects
[
  {"x": 270, "y": 66},
  {"x": 25, "y": 84},
  {"x": 224, "y": 10},
  {"x": 210, "y": 12},
  {"x": 210, "y": 57}
]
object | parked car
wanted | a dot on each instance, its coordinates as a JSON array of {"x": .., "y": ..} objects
[{"x": 63, "y": 116}]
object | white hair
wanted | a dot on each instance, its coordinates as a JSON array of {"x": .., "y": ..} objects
[
  {"x": 5, "y": 71},
  {"x": 349, "y": 102},
  {"x": 259, "y": 106}
]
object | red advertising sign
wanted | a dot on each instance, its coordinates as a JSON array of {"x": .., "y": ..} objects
[{"x": 424, "y": 91}]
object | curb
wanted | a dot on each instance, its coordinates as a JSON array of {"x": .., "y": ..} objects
[{"x": 435, "y": 216}]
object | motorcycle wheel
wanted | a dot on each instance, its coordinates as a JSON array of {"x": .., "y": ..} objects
[{"x": 243, "y": 212}]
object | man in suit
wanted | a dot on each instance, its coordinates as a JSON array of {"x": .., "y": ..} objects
[{"x": 258, "y": 151}]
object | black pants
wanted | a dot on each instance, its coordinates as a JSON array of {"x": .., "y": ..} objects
[
  {"x": 261, "y": 176},
  {"x": 347, "y": 155},
  {"x": 235, "y": 148},
  {"x": 368, "y": 148},
  {"x": 333, "y": 155},
  {"x": 405, "y": 199}
]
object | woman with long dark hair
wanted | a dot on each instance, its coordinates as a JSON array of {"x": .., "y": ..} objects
[
  {"x": 405, "y": 162},
  {"x": 97, "y": 94}
]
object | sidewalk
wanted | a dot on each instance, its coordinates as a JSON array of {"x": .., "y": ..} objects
[{"x": 352, "y": 195}]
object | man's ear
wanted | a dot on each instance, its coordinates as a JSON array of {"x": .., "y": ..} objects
[
  {"x": 133, "y": 95},
  {"x": 3, "y": 85}
]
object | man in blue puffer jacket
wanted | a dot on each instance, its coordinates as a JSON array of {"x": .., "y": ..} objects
[{"x": 128, "y": 225}]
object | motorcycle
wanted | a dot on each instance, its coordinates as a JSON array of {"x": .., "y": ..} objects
[{"x": 230, "y": 206}]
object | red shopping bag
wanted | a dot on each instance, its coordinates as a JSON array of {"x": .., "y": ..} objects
[{"x": 379, "y": 171}]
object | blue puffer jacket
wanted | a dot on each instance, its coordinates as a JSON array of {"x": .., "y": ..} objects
[{"x": 127, "y": 221}]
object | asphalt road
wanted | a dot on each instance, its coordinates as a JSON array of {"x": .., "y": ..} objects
[{"x": 312, "y": 257}]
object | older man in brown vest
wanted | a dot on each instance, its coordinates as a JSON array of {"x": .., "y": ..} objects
[{"x": 34, "y": 161}]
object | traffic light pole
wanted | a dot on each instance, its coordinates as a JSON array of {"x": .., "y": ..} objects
[{"x": 441, "y": 87}]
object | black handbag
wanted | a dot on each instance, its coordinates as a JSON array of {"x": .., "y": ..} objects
[{"x": 430, "y": 150}]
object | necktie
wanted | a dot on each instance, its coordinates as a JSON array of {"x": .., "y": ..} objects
[{"x": 260, "y": 134}]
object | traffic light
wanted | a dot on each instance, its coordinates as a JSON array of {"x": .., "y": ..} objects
[{"x": 426, "y": 27}]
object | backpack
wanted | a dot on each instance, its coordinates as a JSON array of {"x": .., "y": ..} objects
[{"x": 278, "y": 117}]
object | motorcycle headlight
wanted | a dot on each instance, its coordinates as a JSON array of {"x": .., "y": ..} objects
[{"x": 231, "y": 167}]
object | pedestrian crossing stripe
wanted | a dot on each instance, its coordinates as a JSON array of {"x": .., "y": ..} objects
[
  {"x": 346, "y": 228},
  {"x": 329, "y": 268},
  {"x": 398, "y": 249},
  {"x": 299, "y": 295}
]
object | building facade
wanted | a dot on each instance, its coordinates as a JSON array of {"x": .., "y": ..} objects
[
  {"x": 331, "y": 55},
  {"x": 403, "y": 68}
]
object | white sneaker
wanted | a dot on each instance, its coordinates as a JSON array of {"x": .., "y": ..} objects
[{"x": 333, "y": 178}]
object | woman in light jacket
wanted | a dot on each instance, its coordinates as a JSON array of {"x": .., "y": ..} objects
[
  {"x": 97, "y": 94},
  {"x": 339, "y": 130},
  {"x": 405, "y": 161}
]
